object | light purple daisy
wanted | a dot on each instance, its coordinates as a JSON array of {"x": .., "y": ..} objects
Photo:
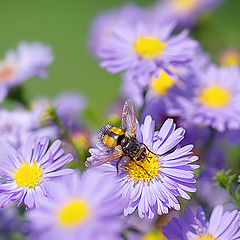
[
  {"x": 27, "y": 61},
  {"x": 215, "y": 101},
  {"x": 18, "y": 124},
  {"x": 153, "y": 92},
  {"x": 145, "y": 229},
  {"x": 153, "y": 184},
  {"x": 191, "y": 226},
  {"x": 142, "y": 49},
  {"x": 184, "y": 12},
  {"x": 80, "y": 207},
  {"x": 103, "y": 25},
  {"x": 26, "y": 172},
  {"x": 69, "y": 106},
  {"x": 230, "y": 57}
]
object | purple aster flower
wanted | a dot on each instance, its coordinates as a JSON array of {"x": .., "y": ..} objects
[
  {"x": 80, "y": 207},
  {"x": 104, "y": 23},
  {"x": 27, "y": 61},
  {"x": 25, "y": 173},
  {"x": 153, "y": 234},
  {"x": 230, "y": 57},
  {"x": 155, "y": 95},
  {"x": 215, "y": 101},
  {"x": 145, "y": 229},
  {"x": 16, "y": 126},
  {"x": 152, "y": 185},
  {"x": 190, "y": 226},
  {"x": 142, "y": 49},
  {"x": 69, "y": 106},
  {"x": 184, "y": 12}
]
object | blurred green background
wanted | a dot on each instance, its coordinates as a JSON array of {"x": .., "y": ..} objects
[{"x": 65, "y": 26}]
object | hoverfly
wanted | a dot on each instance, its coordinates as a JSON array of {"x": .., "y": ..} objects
[{"x": 121, "y": 141}]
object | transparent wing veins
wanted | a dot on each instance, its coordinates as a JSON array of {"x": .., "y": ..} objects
[{"x": 129, "y": 118}]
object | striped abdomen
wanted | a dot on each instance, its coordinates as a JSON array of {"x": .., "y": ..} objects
[{"x": 113, "y": 137}]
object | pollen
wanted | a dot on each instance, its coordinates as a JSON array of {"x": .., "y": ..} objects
[
  {"x": 215, "y": 97},
  {"x": 7, "y": 72},
  {"x": 73, "y": 213},
  {"x": 154, "y": 235},
  {"x": 185, "y": 5},
  {"x": 27, "y": 175},
  {"x": 148, "y": 47},
  {"x": 145, "y": 170},
  {"x": 162, "y": 84},
  {"x": 205, "y": 237}
]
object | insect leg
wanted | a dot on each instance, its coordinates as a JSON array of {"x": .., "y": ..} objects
[
  {"x": 118, "y": 163},
  {"x": 142, "y": 168},
  {"x": 149, "y": 149}
]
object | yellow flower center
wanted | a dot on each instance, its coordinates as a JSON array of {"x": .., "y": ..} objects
[
  {"x": 205, "y": 237},
  {"x": 143, "y": 170},
  {"x": 73, "y": 213},
  {"x": 148, "y": 47},
  {"x": 185, "y": 5},
  {"x": 154, "y": 235},
  {"x": 27, "y": 175},
  {"x": 215, "y": 97},
  {"x": 7, "y": 72},
  {"x": 81, "y": 141},
  {"x": 161, "y": 84},
  {"x": 230, "y": 59}
]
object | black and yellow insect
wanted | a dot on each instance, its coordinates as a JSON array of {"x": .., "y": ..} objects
[{"x": 121, "y": 141}]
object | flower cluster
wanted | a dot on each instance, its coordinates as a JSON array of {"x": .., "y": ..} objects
[{"x": 167, "y": 157}]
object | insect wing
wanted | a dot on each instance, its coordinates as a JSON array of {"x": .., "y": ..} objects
[
  {"x": 129, "y": 118},
  {"x": 100, "y": 158}
]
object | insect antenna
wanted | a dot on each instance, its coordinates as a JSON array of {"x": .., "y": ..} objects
[{"x": 150, "y": 150}]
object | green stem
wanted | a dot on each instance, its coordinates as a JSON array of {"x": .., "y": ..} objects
[
  {"x": 233, "y": 194},
  {"x": 65, "y": 132},
  {"x": 226, "y": 180},
  {"x": 144, "y": 103},
  {"x": 124, "y": 236}
]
